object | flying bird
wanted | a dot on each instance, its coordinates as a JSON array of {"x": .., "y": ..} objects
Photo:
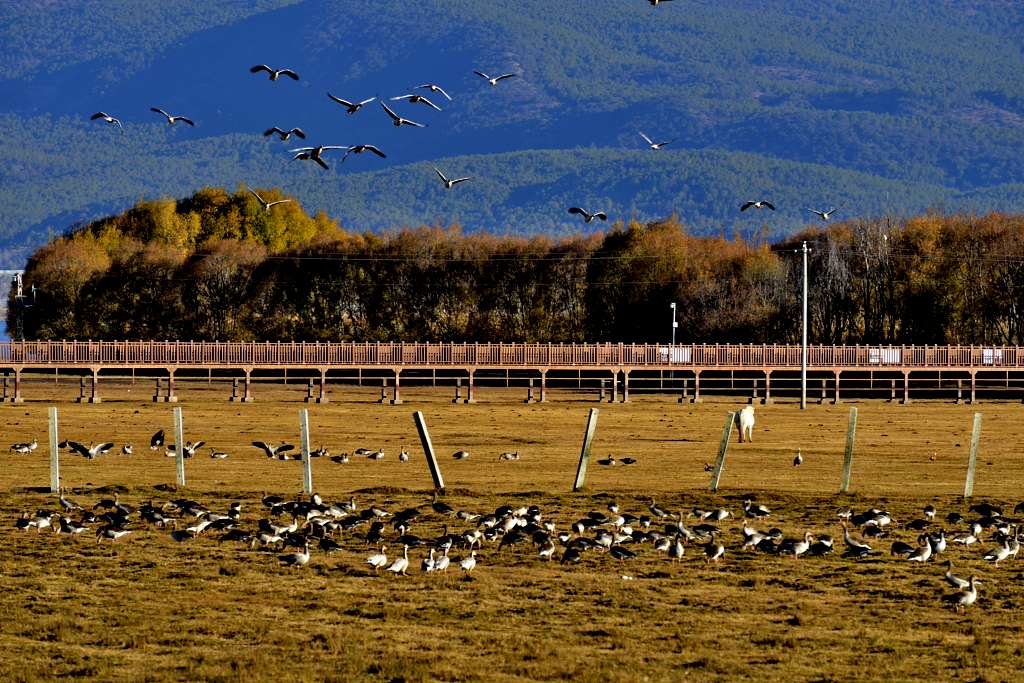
[
  {"x": 398, "y": 120},
  {"x": 273, "y": 451},
  {"x": 352, "y": 107},
  {"x": 654, "y": 3},
  {"x": 495, "y": 79},
  {"x": 413, "y": 99},
  {"x": 265, "y": 203},
  {"x": 314, "y": 153},
  {"x": 172, "y": 119},
  {"x": 433, "y": 87},
  {"x": 274, "y": 73},
  {"x": 359, "y": 149},
  {"x": 652, "y": 144},
  {"x": 107, "y": 118},
  {"x": 587, "y": 216},
  {"x": 449, "y": 183},
  {"x": 285, "y": 134},
  {"x": 824, "y": 215},
  {"x": 759, "y": 204}
]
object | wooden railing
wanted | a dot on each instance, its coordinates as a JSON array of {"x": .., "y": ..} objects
[{"x": 284, "y": 354}]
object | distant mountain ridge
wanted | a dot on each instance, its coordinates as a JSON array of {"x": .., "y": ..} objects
[{"x": 878, "y": 106}]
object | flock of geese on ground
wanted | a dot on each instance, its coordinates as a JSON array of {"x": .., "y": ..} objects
[
  {"x": 316, "y": 153},
  {"x": 331, "y": 527}
]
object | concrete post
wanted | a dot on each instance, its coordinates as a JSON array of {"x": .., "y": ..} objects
[
  {"x": 588, "y": 438},
  {"x": 322, "y": 398},
  {"x": 171, "y": 396},
  {"x": 543, "y": 386},
  {"x": 397, "y": 396},
  {"x": 54, "y": 453},
  {"x": 470, "y": 391},
  {"x": 95, "y": 397},
  {"x": 428, "y": 450},
  {"x": 851, "y": 434},
  {"x": 723, "y": 446},
  {"x": 973, "y": 457}
]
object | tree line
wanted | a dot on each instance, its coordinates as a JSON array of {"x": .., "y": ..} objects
[{"x": 217, "y": 266}]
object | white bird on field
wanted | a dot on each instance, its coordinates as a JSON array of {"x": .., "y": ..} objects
[
  {"x": 25, "y": 447},
  {"x": 92, "y": 451},
  {"x": 273, "y": 451},
  {"x": 963, "y": 598},
  {"x": 296, "y": 559},
  {"x": 952, "y": 579},
  {"x": 403, "y": 455},
  {"x": 401, "y": 564},
  {"x": 449, "y": 183},
  {"x": 460, "y": 455},
  {"x": 107, "y": 118},
  {"x": 351, "y": 107},
  {"x": 493, "y": 80},
  {"x": 652, "y": 144},
  {"x": 265, "y": 203},
  {"x": 799, "y": 459},
  {"x": 126, "y": 449},
  {"x": 274, "y": 74},
  {"x": 433, "y": 87},
  {"x": 172, "y": 119},
  {"x": 468, "y": 563}
]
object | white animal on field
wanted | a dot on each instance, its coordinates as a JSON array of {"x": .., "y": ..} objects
[{"x": 745, "y": 419}]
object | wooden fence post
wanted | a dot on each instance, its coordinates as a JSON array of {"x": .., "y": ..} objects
[
  {"x": 428, "y": 450},
  {"x": 54, "y": 453},
  {"x": 851, "y": 433},
  {"x": 722, "y": 448},
  {"x": 179, "y": 447},
  {"x": 973, "y": 457},
  {"x": 307, "y": 464},
  {"x": 588, "y": 437}
]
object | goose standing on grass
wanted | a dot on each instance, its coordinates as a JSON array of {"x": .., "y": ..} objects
[
  {"x": 652, "y": 144},
  {"x": 824, "y": 215},
  {"x": 296, "y": 559},
  {"x": 441, "y": 564},
  {"x": 755, "y": 511},
  {"x": 997, "y": 555},
  {"x": 274, "y": 74},
  {"x": 799, "y": 459},
  {"x": 401, "y": 564},
  {"x": 713, "y": 551},
  {"x": 314, "y": 154},
  {"x": 156, "y": 441},
  {"x": 266, "y": 205},
  {"x": 359, "y": 149},
  {"x": 25, "y": 448},
  {"x": 414, "y": 99},
  {"x": 965, "y": 597},
  {"x": 759, "y": 204},
  {"x": 126, "y": 449},
  {"x": 403, "y": 455},
  {"x": 657, "y": 511},
  {"x": 509, "y": 455},
  {"x": 217, "y": 455},
  {"x": 398, "y": 121},
  {"x": 378, "y": 560},
  {"x": 107, "y": 118},
  {"x": 468, "y": 563},
  {"x": 449, "y": 183},
  {"x": 493, "y": 80},
  {"x": 460, "y": 455},
  {"x": 111, "y": 532},
  {"x": 952, "y": 579},
  {"x": 921, "y": 554},
  {"x": 587, "y": 216},
  {"x": 350, "y": 107},
  {"x": 433, "y": 87},
  {"x": 284, "y": 134},
  {"x": 171, "y": 120}
]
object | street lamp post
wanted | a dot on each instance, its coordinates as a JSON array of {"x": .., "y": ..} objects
[{"x": 674, "y": 323}]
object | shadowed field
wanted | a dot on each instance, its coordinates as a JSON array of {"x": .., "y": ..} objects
[{"x": 147, "y": 607}]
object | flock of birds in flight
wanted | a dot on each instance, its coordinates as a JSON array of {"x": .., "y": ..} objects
[{"x": 316, "y": 153}]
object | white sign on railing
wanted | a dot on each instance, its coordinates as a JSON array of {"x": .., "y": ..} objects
[
  {"x": 991, "y": 356},
  {"x": 678, "y": 354},
  {"x": 884, "y": 356}
]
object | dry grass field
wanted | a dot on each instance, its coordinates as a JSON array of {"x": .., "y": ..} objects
[{"x": 148, "y": 608}]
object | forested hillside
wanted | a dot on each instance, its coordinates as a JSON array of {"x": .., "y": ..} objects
[
  {"x": 881, "y": 107},
  {"x": 219, "y": 266}
]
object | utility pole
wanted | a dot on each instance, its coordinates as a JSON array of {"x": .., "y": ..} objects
[{"x": 803, "y": 355}]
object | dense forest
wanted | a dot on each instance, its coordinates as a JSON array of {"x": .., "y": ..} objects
[
  {"x": 884, "y": 107},
  {"x": 218, "y": 266}
]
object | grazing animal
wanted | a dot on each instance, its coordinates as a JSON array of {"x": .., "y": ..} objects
[
  {"x": 24, "y": 448},
  {"x": 274, "y": 74},
  {"x": 745, "y": 420},
  {"x": 156, "y": 441},
  {"x": 460, "y": 455},
  {"x": 285, "y": 134},
  {"x": 90, "y": 452},
  {"x": 273, "y": 451},
  {"x": 799, "y": 459}
]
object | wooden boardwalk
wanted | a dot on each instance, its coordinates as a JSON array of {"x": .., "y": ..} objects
[{"x": 685, "y": 365}]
